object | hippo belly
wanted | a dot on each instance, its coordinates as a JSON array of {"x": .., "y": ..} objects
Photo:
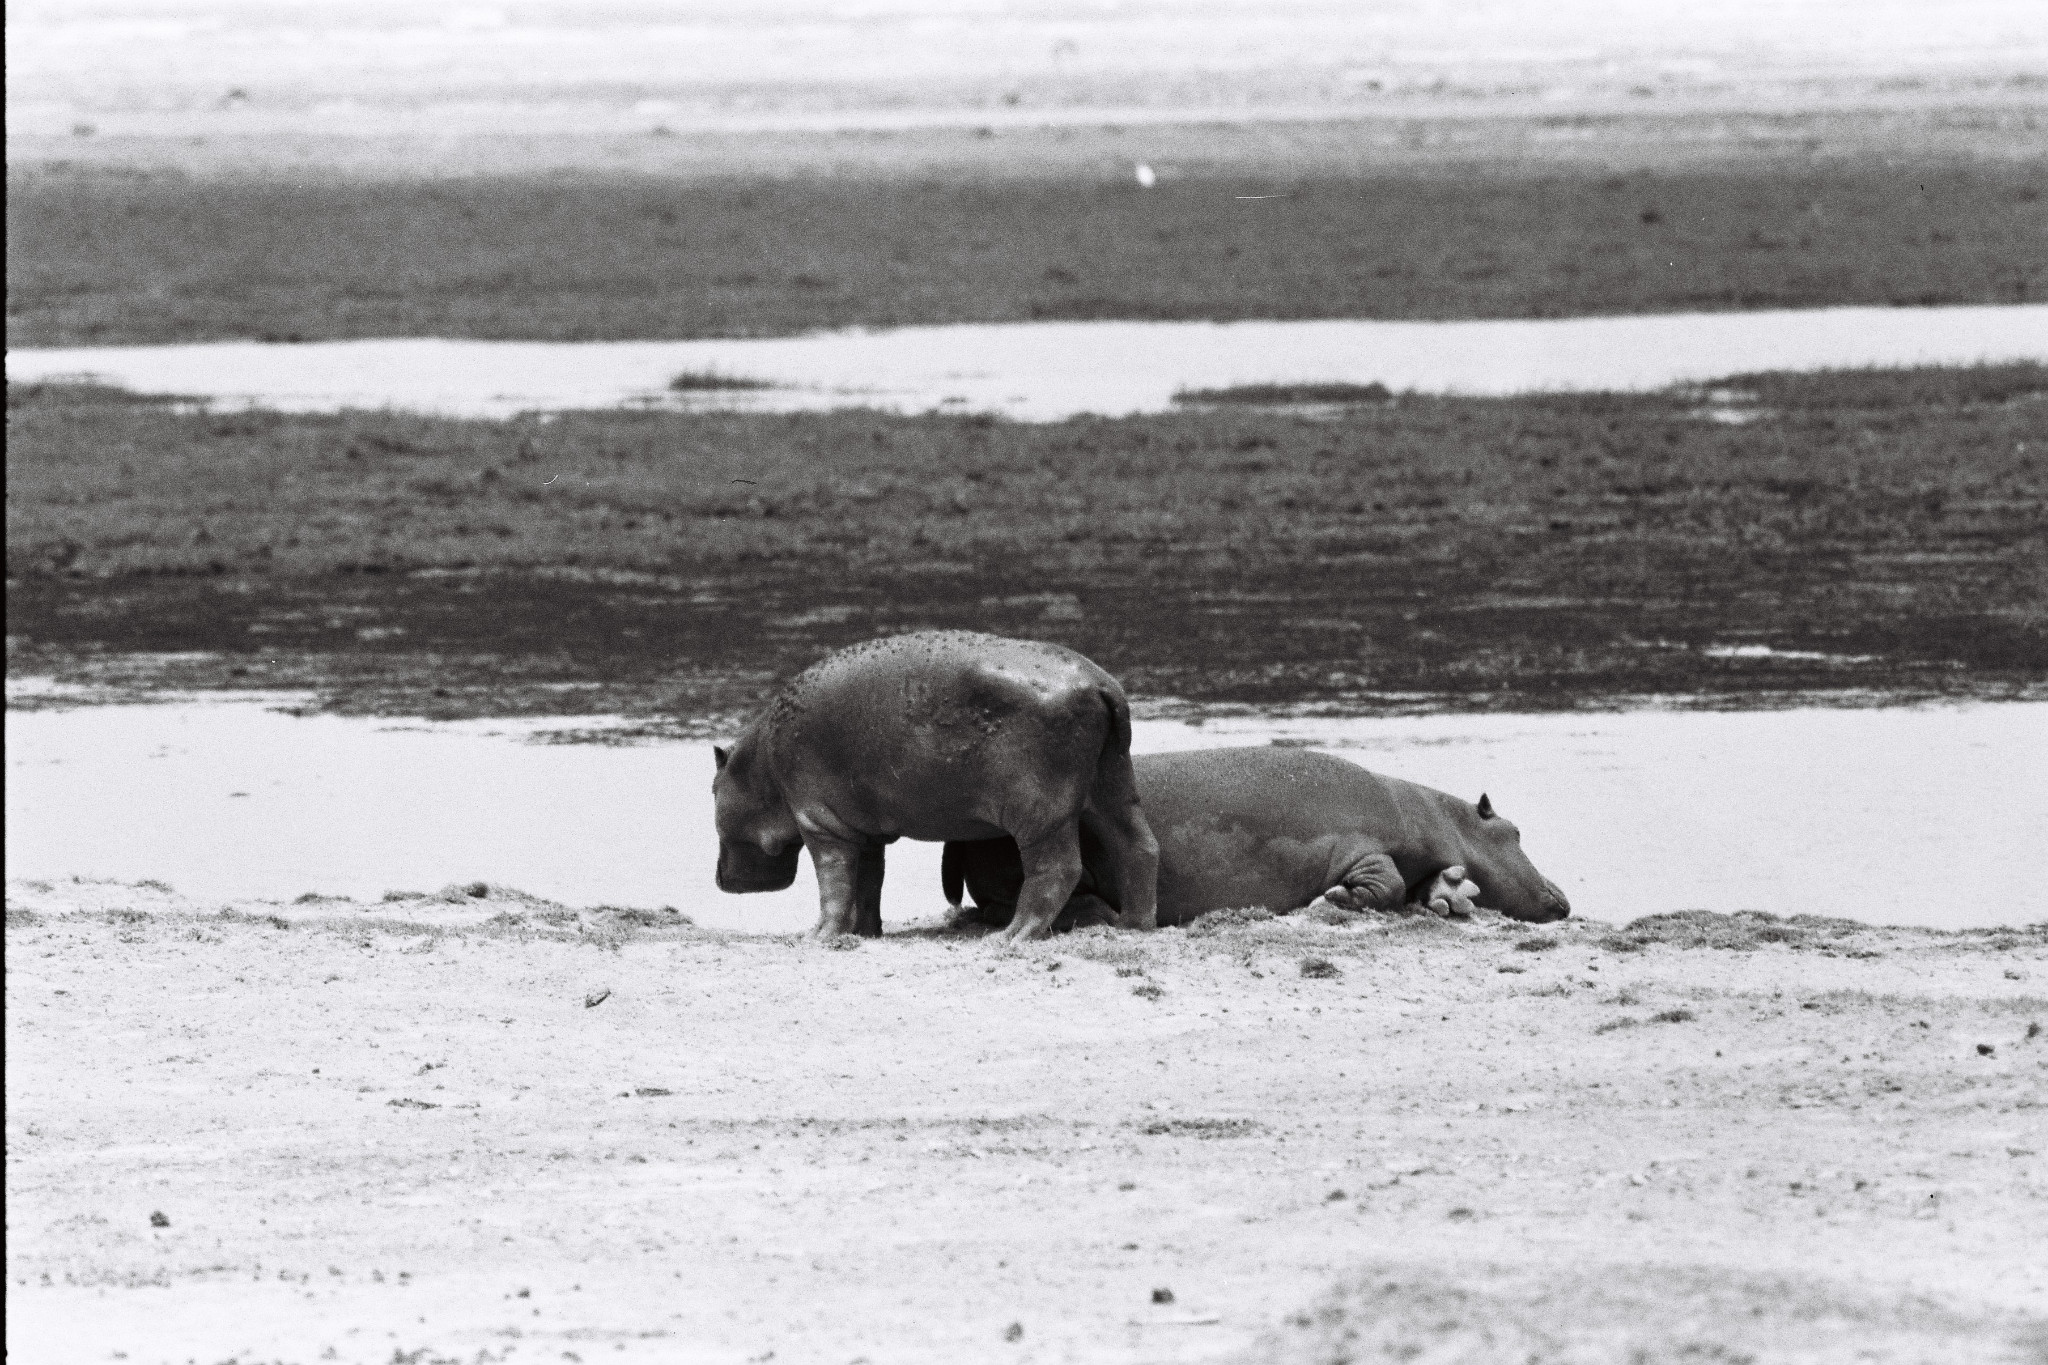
[
  {"x": 1218, "y": 866},
  {"x": 1266, "y": 826}
]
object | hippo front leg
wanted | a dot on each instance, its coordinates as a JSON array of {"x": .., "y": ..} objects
[
  {"x": 1452, "y": 895},
  {"x": 838, "y": 865}
]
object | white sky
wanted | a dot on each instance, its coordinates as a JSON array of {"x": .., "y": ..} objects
[{"x": 366, "y": 59}]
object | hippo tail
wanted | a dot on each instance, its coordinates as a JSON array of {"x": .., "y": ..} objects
[
  {"x": 1117, "y": 744},
  {"x": 951, "y": 878}
]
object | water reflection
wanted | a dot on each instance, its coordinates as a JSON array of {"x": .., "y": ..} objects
[
  {"x": 1885, "y": 815},
  {"x": 1046, "y": 371}
]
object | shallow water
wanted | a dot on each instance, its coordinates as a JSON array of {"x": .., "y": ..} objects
[
  {"x": 1045, "y": 371},
  {"x": 1904, "y": 816}
]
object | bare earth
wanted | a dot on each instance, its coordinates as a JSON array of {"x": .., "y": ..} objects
[{"x": 459, "y": 1129}]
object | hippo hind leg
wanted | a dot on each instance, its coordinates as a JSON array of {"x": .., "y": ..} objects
[
  {"x": 867, "y": 892},
  {"x": 1085, "y": 910},
  {"x": 1129, "y": 851},
  {"x": 1052, "y": 867},
  {"x": 1372, "y": 882},
  {"x": 987, "y": 869}
]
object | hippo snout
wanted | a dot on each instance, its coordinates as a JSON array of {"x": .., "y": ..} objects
[
  {"x": 1551, "y": 905},
  {"x": 742, "y": 868}
]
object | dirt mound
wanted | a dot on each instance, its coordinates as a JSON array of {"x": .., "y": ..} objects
[
  {"x": 1748, "y": 930},
  {"x": 1458, "y": 1314},
  {"x": 486, "y": 908}
]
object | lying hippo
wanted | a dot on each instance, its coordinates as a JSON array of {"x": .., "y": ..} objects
[
  {"x": 1278, "y": 827},
  {"x": 939, "y": 735}
]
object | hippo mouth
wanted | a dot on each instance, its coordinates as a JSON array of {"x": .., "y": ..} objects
[
  {"x": 1545, "y": 906},
  {"x": 1552, "y": 905},
  {"x": 742, "y": 869}
]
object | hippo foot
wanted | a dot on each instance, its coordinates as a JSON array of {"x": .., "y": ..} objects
[
  {"x": 1084, "y": 911},
  {"x": 975, "y": 917},
  {"x": 1452, "y": 894},
  {"x": 1342, "y": 897}
]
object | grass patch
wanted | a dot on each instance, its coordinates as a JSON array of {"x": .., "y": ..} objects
[
  {"x": 85, "y": 392},
  {"x": 1501, "y": 552},
  {"x": 1282, "y": 395},
  {"x": 1743, "y": 931},
  {"x": 106, "y": 259},
  {"x": 1398, "y": 1310},
  {"x": 1330, "y": 914},
  {"x": 1203, "y": 1128},
  {"x": 1218, "y": 921},
  {"x": 711, "y": 381}
]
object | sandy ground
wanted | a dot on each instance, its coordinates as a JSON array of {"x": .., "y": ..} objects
[{"x": 489, "y": 1129}]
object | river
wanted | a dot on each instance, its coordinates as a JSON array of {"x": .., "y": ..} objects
[{"x": 1901, "y": 815}]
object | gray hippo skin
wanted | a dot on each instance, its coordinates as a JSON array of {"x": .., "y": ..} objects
[
  {"x": 942, "y": 735},
  {"x": 1277, "y": 827}
]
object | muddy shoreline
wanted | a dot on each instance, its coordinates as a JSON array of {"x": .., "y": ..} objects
[{"x": 1863, "y": 535}]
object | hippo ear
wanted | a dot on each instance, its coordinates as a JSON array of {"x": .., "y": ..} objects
[
  {"x": 720, "y": 754},
  {"x": 1485, "y": 807}
]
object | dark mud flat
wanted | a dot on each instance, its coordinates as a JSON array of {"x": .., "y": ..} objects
[
  {"x": 1881, "y": 533},
  {"x": 97, "y": 258}
]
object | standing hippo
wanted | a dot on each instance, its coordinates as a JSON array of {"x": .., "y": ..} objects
[
  {"x": 1277, "y": 827},
  {"x": 943, "y": 735}
]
